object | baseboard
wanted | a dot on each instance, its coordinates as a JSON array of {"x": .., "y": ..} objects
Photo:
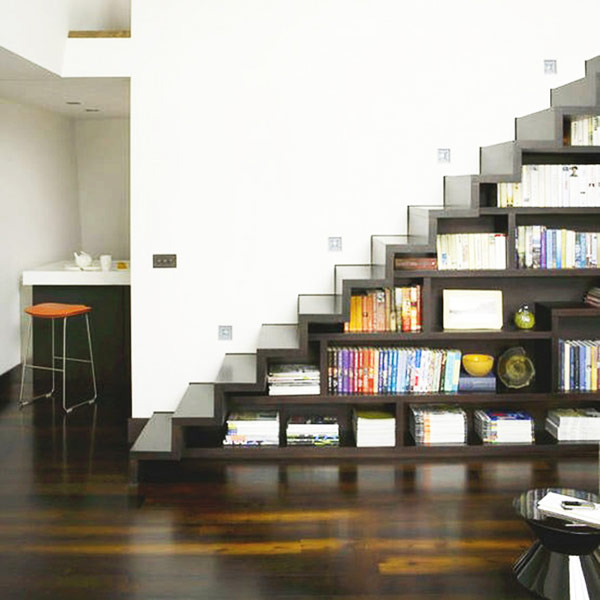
[
  {"x": 10, "y": 375},
  {"x": 134, "y": 428}
]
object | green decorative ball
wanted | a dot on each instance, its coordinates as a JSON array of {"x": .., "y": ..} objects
[{"x": 524, "y": 318}]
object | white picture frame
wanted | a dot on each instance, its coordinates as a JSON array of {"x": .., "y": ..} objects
[{"x": 472, "y": 309}]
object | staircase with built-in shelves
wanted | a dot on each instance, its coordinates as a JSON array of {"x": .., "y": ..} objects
[{"x": 196, "y": 428}]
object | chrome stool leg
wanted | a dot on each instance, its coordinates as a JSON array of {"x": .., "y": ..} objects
[{"x": 31, "y": 366}]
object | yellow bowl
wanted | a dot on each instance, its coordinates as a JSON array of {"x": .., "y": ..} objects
[{"x": 478, "y": 365}]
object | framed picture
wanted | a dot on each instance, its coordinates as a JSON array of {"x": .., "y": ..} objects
[{"x": 472, "y": 309}]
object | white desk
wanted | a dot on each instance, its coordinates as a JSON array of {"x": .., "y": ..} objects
[{"x": 63, "y": 273}]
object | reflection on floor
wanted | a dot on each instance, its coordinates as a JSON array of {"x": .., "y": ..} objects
[{"x": 71, "y": 528}]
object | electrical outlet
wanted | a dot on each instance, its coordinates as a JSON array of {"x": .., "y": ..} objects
[
  {"x": 225, "y": 333},
  {"x": 164, "y": 261},
  {"x": 550, "y": 67},
  {"x": 334, "y": 244},
  {"x": 443, "y": 155}
]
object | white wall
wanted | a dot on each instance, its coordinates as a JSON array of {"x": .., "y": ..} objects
[
  {"x": 39, "y": 211},
  {"x": 102, "y": 148},
  {"x": 99, "y": 15},
  {"x": 260, "y": 128},
  {"x": 36, "y": 30}
]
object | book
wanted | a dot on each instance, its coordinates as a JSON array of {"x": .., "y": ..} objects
[
  {"x": 417, "y": 263},
  {"x": 468, "y": 383},
  {"x": 552, "y": 505}
]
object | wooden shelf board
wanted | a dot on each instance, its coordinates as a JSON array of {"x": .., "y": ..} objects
[{"x": 488, "y": 273}]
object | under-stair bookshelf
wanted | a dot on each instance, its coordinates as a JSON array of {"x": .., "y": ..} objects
[{"x": 472, "y": 204}]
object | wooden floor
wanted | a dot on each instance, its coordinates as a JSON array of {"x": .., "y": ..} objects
[{"x": 71, "y": 528}]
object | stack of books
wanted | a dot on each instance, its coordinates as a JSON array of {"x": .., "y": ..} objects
[
  {"x": 574, "y": 424},
  {"x": 252, "y": 428},
  {"x": 542, "y": 248},
  {"x": 380, "y": 310},
  {"x": 374, "y": 428},
  {"x": 578, "y": 365},
  {"x": 553, "y": 186},
  {"x": 469, "y": 383},
  {"x": 312, "y": 430},
  {"x": 495, "y": 427},
  {"x": 471, "y": 251},
  {"x": 294, "y": 380},
  {"x": 592, "y": 297},
  {"x": 438, "y": 424},
  {"x": 585, "y": 131},
  {"x": 392, "y": 370}
]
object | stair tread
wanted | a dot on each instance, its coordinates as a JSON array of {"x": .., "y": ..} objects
[
  {"x": 198, "y": 402},
  {"x": 155, "y": 439},
  {"x": 237, "y": 368},
  {"x": 279, "y": 337},
  {"x": 320, "y": 304}
]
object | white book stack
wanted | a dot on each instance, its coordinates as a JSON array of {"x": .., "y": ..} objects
[
  {"x": 574, "y": 424},
  {"x": 495, "y": 427},
  {"x": 374, "y": 428},
  {"x": 438, "y": 424},
  {"x": 252, "y": 428},
  {"x": 314, "y": 430},
  {"x": 293, "y": 379}
]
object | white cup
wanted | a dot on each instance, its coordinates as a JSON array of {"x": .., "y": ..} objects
[{"x": 105, "y": 262}]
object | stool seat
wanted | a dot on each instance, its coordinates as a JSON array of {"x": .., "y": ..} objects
[{"x": 56, "y": 310}]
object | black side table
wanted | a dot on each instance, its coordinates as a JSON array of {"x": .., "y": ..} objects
[{"x": 564, "y": 562}]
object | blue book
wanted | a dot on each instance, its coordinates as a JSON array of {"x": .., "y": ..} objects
[{"x": 543, "y": 248}]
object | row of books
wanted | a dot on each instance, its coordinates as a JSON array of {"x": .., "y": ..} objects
[
  {"x": 468, "y": 251},
  {"x": 585, "y": 131},
  {"x": 373, "y": 370},
  {"x": 538, "y": 247},
  {"x": 389, "y": 309},
  {"x": 293, "y": 379},
  {"x": 554, "y": 186},
  {"x": 578, "y": 364},
  {"x": 261, "y": 428}
]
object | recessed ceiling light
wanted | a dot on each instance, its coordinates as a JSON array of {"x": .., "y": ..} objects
[
  {"x": 92, "y": 110},
  {"x": 74, "y": 102}
]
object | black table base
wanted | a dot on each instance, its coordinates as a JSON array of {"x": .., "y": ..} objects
[{"x": 559, "y": 576}]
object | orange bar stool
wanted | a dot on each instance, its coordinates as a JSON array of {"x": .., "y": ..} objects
[{"x": 55, "y": 311}]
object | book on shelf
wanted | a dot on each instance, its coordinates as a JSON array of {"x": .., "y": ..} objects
[
  {"x": 312, "y": 430},
  {"x": 578, "y": 365},
  {"x": 389, "y": 309},
  {"x": 470, "y": 383},
  {"x": 574, "y": 424},
  {"x": 538, "y": 247},
  {"x": 431, "y": 424},
  {"x": 293, "y": 379},
  {"x": 392, "y": 370},
  {"x": 252, "y": 428},
  {"x": 374, "y": 427},
  {"x": 415, "y": 263},
  {"x": 585, "y": 131},
  {"x": 499, "y": 427},
  {"x": 557, "y": 186},
  {"x": 592, "y": 297},
  {"x": 471, "y": 251}
]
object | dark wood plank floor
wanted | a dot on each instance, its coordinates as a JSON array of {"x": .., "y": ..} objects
[{"x": 71, "y": 528}]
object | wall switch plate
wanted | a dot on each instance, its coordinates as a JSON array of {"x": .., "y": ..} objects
[
  {"x": 550, "y": 66},
  {"x": 443, "y": 155},
  {"x": 164, "y": 261},
  {"x": 225, "y": 332},
  {"x": 334, "y": 244}
]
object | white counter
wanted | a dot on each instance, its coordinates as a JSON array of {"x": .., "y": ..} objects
[{"x": 64, "y": 273}]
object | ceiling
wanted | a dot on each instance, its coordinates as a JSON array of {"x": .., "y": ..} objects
[{"x": 26, "y": 83}]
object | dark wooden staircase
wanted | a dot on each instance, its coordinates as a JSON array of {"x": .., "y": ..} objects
[{"x": 204, "y": 406}]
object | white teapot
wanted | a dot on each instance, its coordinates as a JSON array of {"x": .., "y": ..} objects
[{"x": 83, "y": 259}]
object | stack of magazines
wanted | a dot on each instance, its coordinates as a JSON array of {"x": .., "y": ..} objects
[
  {"x": 592, "y": 297},
  {"x": 574, "y": 424},
  {"x": 293, "y": 380},
  {"x": 252, "y": 428},
  {"x": 438, "y": 424},
  {"x": 312, "y": 430},
  {"x": 374, "y": 428},
  {"x": 496, "y": 427}
]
